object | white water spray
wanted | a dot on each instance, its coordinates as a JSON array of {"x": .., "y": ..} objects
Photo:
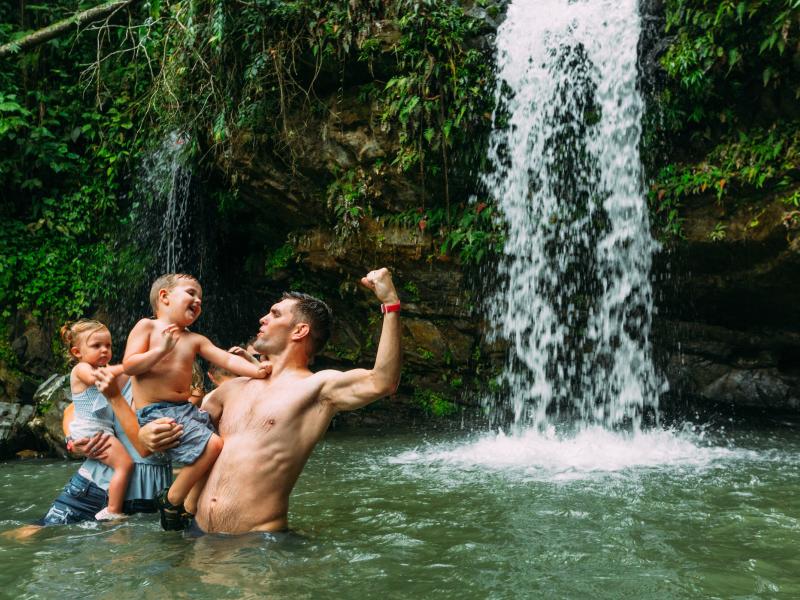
[{"x": 574, "y": 299}]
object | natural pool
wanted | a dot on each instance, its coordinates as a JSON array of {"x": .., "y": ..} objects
[{"x": 457, "y": 515}]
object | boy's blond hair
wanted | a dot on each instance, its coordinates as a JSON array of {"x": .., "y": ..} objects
[{"x": 167, "y": 282}]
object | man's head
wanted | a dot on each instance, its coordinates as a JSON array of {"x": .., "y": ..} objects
[
  {"x": 178, "y": 297},
  {"x": 297, "y": 317}
]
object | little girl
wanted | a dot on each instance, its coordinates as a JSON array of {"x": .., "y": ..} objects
[{"x": 88, "y": 343}]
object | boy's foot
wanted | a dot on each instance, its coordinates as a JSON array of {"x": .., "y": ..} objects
[
  {"x": 173, "y": 518},
  {"x": 107, "y": 515}
]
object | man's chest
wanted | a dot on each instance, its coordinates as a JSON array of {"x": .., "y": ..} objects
[{"x": 275, "y": 408}]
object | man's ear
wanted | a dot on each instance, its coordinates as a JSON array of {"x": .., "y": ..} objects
[{"x": 300, "y": 331}]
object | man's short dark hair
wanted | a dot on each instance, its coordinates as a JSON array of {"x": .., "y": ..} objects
[{"x": 317, "y": 314}]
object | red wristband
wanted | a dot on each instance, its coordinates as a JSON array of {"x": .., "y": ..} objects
[{"x": 387, "y": 308}]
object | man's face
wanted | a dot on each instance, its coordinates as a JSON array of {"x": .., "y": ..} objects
[
  {"x": 184, "y": 302},
  {"x": 276, "y": 327}
]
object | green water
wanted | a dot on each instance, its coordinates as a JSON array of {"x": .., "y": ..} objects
[{"x": 455, "y": 516}]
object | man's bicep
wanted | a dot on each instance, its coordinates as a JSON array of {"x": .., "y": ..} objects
[{"x": 348, "y": 390}]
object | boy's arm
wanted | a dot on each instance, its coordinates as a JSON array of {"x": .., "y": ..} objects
[
  {"x": 353, "y": 389},
  {"x": 139, "y": 357},
  {"x": 235, "y": 364}
]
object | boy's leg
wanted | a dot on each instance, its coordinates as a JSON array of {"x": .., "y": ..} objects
[
  {"x": 122, "y": 463},
  {"x": 191, "y": 474},
  {"x": 191, "y": 500}
]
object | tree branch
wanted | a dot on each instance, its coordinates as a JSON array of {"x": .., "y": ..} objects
[{"x": 61, "y": 27}]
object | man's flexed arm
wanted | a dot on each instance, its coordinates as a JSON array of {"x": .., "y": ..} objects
[
  {"x": 357, "y": 388},
  {"x": 139, "y": 356}
]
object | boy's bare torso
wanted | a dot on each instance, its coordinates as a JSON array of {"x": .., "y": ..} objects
[
  {"x": 170, "y": 379},
  {"x": 270, "y": 428}
]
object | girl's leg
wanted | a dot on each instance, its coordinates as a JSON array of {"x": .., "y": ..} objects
[
  {"x": 191, "y": 474},
  {"x": 122, "y": 463}
]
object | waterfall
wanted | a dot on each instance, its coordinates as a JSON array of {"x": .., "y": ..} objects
[
  {"x": 166, "y": 181},
  {"x": 573, "y": 299}
]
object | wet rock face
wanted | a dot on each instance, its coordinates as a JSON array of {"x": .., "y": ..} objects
[
  {"x": 729, "y": 324},
  {"x": 36, "y": 427},
  {"x": 14, "y": 418},
  {"x": 745, "y": 369}
]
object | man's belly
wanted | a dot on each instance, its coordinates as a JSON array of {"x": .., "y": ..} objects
[{"x": 247, "y": 490}]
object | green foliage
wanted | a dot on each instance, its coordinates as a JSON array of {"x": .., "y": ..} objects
[
  {"x": 740, "y": 164},
  {"x": 719, "y": 232},
  {"x": 727, "y": 55},
  {"x": 438, "y": 99},
  {"x": 474, "y": 235},
  {"x": 433, "y": 403},
  {"x": 279, "y": 259},
  {"x": 64, "y": 158}
]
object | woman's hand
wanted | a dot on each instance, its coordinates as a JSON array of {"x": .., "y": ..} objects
[{"x": 95, "y": 447}]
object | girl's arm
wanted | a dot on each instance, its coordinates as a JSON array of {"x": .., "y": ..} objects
[{"x": 87, "y": 374}]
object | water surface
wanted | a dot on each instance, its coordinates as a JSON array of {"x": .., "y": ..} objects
[{"x": 700, "y": 514}]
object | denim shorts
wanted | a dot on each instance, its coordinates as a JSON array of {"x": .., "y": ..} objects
[
  {"x": 81, "y": 500},
  {"x": 197, "y": 428}
]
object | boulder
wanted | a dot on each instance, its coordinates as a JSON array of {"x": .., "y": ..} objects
[
  {"x": 52, "y": 398},
  {"x": 13, "y": 432}
]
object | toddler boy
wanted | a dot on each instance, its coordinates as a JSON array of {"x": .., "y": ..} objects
[{"x": 159, "y": 355}]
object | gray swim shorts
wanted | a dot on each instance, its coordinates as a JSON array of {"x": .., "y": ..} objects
[{"x": 197, "y": 427}]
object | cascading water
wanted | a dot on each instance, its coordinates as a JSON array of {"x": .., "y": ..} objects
[
  {"x": 166, "y": 182},
  {"x": 574, "y": 299}
]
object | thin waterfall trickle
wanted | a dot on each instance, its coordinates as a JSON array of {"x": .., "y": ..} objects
[
  {"x": 166, "y": 180},
  {"x": 574, "y": 299}
]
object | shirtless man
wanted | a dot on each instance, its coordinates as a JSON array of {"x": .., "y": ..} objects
[{"x": 271, "y": 426}]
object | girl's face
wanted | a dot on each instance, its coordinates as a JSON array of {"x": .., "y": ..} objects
[{"x": 94, "y": 348}]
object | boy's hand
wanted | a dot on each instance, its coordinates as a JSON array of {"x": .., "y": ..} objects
[
  {"x": 380, "y": 282},
  {"x": 264, "y": 369},
  {"x": 169, "y": 337},
  {"x": 239, "y": 351}
]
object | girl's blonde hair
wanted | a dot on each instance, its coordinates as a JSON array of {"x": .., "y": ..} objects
[{"x": 72, "y": 332}]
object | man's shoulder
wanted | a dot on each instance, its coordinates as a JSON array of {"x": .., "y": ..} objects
[{"x": 324, "y": 375}]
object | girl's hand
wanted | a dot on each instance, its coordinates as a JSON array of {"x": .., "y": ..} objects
[{"x": 106, "y": 382}]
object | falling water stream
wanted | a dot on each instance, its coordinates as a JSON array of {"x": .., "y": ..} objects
[{"x": 575, "y": 300}]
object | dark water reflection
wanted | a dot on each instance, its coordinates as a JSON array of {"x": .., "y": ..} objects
[{"x": 397, "y": 516}]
